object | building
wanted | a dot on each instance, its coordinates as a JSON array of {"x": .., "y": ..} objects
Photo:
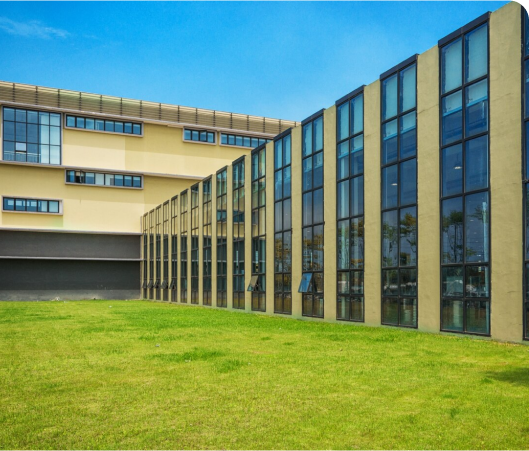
[
  {"x": 403, "y": 204},
  {"x": 409, "y": 196},
  {"x": 79, "y": 169}
]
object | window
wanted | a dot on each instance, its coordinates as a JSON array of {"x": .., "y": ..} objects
[
  {"x": 157, "y": 283},
  {"x": 32, "y": 205},
  {"x": 165, "y": 243},
  {"x": 31, "y": 136},
  {"x": 194, "y": 244},
  {"x": 312, "y": 215},
  {"x": 183, "y": 247},
  {"x": 222, "y": 237},
  {"x": 350, "y": 208},
  {"x": 151, "y": 254},
  {"x": 242, "y": 141},
  {"x": 199, "y": 136},
  {"x": 238, "y": 234},
  {"x": 465, "y": 209},
  {"x": 90, "y": 123},
  {"x": 145, "y": 228},
  {"x": 173, "y": 286},
  {"x": 258, "y": 288},
  {"x": 282, "y": 226},
  {"x": 399, "y": 198},
  {"x": 104, "y": 179},
  {"x": 206, "y": 214}
]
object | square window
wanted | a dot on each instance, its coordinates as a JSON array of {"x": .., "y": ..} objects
[
  {"x": 127, "y": 127},
  {"x": 70, "y": 121},
  {"x": 136, "y": 129},
  {"x": 53, "y": 206},
  {"x": 89, "y": 124}
]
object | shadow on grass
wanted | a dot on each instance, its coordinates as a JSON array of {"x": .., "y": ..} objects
[{"x": 517, "y": 376}]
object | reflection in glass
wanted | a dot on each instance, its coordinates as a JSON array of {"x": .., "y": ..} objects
[
  {"x": 408, "y": 178},
  {"x": 389, "y": 187},
  {"x": 452, "y": 281},
  {"x": 408, "y": 236},
  {"x": 476, "y": 228},
  {"x": 452, "y": 175},
  {"x": 452, "y": 121},
  {"x": 390, "y": 238},
  {"x": 476, "y": 104},
  {"x": 389, "y": 142},
  {"x": 476, "y": 164},
  {"x": 451, "y": 66},
  {"x": 476, "y": 53},
  {"x": 477, "y": 281},
  {"x": 452, "y": 230}
]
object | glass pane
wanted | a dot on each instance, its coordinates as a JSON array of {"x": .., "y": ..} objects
[
  {"x": 477, "y": 164},
  {"x": 527, "y": 88},
  {"x": 408, "y": 136},
  {"x": 278, "y": 154},
  {"x": 476, "y": 53},
  {"x": 452, "y": 315},
  {"x": 408, "y": 179},
  {"x": 317, "y": 172},
  {"x": 389, "y": 97},
  {"x": 307, "y": 174},
  {"x": 286, "y": 182},
  {"x": 408, "y": 312},
  {"x": 286, "y": 150},
  {"x": 278, "y": 185},
  {"x": 452, "y": 170},
  {"x": 343, "y": 308},
  {"x": 408, "y": 236},
  {"x": 477, "y": 281},
  {"x": 390, "y": 282},
  {"x": 317, "y": 246},
  {"x": 278, "y": 216},
  {"x": 477, "y": 228},
  {"x": 407, "y": 88},
  {"x": 343, "y": 121},
  {"x": 408, "y": 282},
  {"x": 476, "y": 119},
  {"x": 389, "y": 142},
  {"x": 451, "y": 70},
  {"x": 305, "y": 283},
  {"x": 343, "y": 160},
  {"x": 357, "y": 155},
  {"x": 452, "y": 281},
  {"x": 357, "y": 243},
  {"x": 452, "y": 118},
  {"x": 343, "y": 244},
  {"x": 478, "y": 313},
  {"x": 307, "y": 139},
  {"x": 357, "y": 196},
  {"x": 287, "y": 214},
  {"x": 390, "y": 234},
  {"x": 318, "y": 206},
  {"x": 307, "y": 209},
  {"x": 452, "y": 230},
  {"x": 307, "y": 249},
  {"x": 389, "y": 187},
  {"x": 357, "y": 111},
  {"x": 357, "y": 282},
  {"x": 318, "y": 134},
  {"x": 287, "y": 254},
  {"x": 390, "y": 311},
  {"x": 343, "y": 199}
]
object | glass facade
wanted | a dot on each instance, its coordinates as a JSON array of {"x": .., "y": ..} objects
[
  {"x": 206, "y": 236},
  {"x": 145, "y": 240},
  {"x": 222, "y": 238},
  {"x": 258, "y": 281},
  {"x": 150, "y": 285},
  {"x": 157, "y": 282},
  {"x": 312, "y": 217},
  {"x": 238, "y": 234},
  {"x": 184, "y": 266},
  {"x": 350, "y": 209},
  {"x": 399, "y": 198},
  {"x": 173, "y": 286},
  {"x": 194, "y": 244},
  {"x": 242, "y": 141},
  {"x": 103, "y": 125},
  {"x": 104, "y": 179},
  {"x": 282, "y": 226},
  {"x": 31, "y": 136},
  {"x": 465, "y": 207},
  {"x": 32, "y": 205},
  {"x": 165, "y": 252}
]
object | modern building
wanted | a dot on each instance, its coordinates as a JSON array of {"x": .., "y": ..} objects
[
  {"x": 403, "y": 204},
  {"x": 77, "y": 170}
]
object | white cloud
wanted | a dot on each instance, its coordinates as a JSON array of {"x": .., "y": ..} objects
[{"x": 31, "y": 29}]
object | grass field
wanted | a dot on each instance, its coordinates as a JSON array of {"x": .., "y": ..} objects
[{"x": 134, "y": 375}]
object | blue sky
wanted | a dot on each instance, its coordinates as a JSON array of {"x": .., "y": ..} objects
[{"x": 275, "y": 59}]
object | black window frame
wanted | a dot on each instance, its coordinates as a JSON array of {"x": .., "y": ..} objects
[
  {"x": 206, "y": 241},
  {"x": 195, "y": 258},
  {"x": 81, "y": 124},
  {"x": 184, "y": 252},
  {"x": 173, "y": 286},
  {"x": 222, "y": 236},
  {"x": 239, "y": 199}
]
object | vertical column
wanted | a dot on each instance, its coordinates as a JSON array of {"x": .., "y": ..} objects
[
  {"x": 269, "y": 206},
  {"x": 201, "y": 243},
  {"x": 229, "y": 237},
  {"x": 248, "y": 261},
  {"x": 296, "y": 221},
  {"x": 329, "y": 205},
  {"x": 428, "y": 189},
  {"x": 505, "y": 182},
  {"x": 214, "y": 240},
  {"x": 189, "y": 236},
  {"x": 372, "y": 232}
]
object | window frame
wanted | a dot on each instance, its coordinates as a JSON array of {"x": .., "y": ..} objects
[
  {"x": 200, "y": 130},
  {"x": 104, "y": 118},
  {"x": 239, "y": 295},
  {"x": 222, "y": 241},
  {"x": 26, "y": 198}
]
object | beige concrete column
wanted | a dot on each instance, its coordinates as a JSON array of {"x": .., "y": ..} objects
[{"x": 297, "y": 264}]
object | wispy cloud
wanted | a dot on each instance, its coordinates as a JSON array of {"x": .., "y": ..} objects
[{"x": 31, "y": 29}]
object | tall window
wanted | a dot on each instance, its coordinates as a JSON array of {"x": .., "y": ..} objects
[
  {"x": 350, "y": 208},
  {"x": 151, "y": 254},
  {"x": 465, "y": 208},
  {"x": 31, "y": 136},
  {"x": 282, "y": 227},
  {"x": 206, "y": 212},
  {"x": 184, "y": 267},
  {"x": 238, "y": 234},
  {"x": 145, "y": 221},
  {"x": 158, "y": 251},
  {"x": 165, "y": 276},
  {"x": 258, "y": 281},
  {"x": 222, "y": 236},
  {"x": 399, "y": 198},
  {"x": 312, "y": 218},
  {"x": 174, "y": 248},
  {"x": 194, "y": 244},
  {"x": 525, "y": 114}
]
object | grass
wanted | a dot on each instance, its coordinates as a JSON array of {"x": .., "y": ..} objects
[{"x": 143, "y": 375}]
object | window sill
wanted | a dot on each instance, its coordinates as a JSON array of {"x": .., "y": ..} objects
[{"x": 33, "y": 212}]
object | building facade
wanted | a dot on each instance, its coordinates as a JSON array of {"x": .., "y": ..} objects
[
  {"x": 78, "y": 169},
  {"x": 404, "y": 204}
]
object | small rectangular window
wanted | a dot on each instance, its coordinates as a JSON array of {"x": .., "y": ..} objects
[
  {"x": 254, "y": 283},
  {"x": 70, "y": 121},
  {"x": 128, "y": 127},
  {"x": 9, "y": 204},
  {"x": 89, "y": 124},
  {"x": 118, "y": 127},
  {"x": 305, "y": 286}
]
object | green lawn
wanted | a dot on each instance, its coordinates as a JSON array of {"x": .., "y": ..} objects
[{"x": 136, "y": 374}]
